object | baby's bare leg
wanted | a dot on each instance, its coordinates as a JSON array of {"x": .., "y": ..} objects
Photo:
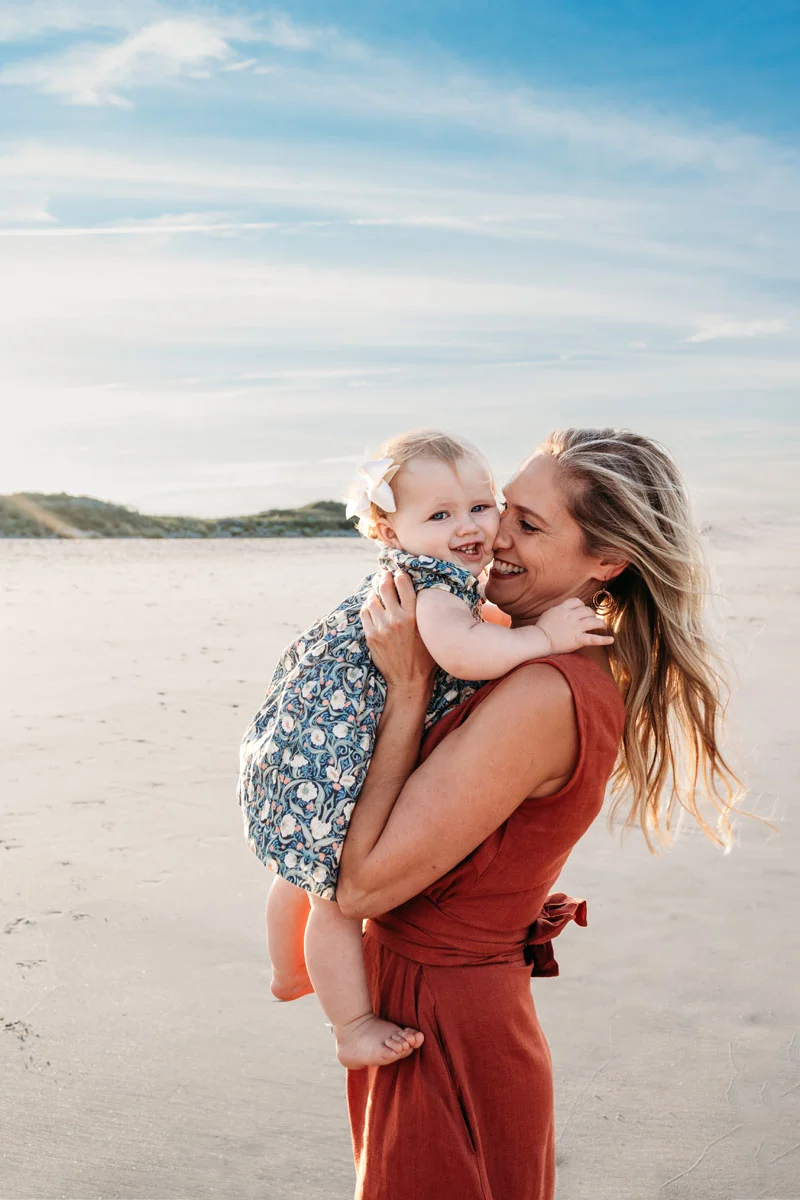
[
  {"x": 287, "y": 913},
  {"x": 336, "y": 965}
]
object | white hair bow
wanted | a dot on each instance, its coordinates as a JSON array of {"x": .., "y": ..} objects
[{"x": 372, "y": 487}]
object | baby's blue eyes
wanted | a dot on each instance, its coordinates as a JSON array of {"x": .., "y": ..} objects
[{"x": 476, "y": 508}]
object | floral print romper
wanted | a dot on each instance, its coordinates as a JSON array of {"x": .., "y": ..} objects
[{"x": 305, "y": 754}]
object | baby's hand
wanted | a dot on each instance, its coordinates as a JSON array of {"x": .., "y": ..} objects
[{"x": 573, "y": 624}]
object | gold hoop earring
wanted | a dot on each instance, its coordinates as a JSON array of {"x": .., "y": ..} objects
[{"x": 602, "y": 598}]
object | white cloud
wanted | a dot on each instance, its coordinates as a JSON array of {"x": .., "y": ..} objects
[
  {"x": 25, "y": 20},
  {"x": 134, "y": 293},
  {"x": 182, "y": 223},
  {"x": 93, "y": 75},
  {"x": 22, "y": 209},
  {"x": 435, "y": 91},
  {"x": 681, "y": 230},
  {"x": 283, "y": 33},
  {"x": 210, "y": 222},
  {"x": 242, "y": 65},
  {"x": 349, "y": 76},
  {"x": 160, "y": 45},
  {"x": 719, "y": 326}
]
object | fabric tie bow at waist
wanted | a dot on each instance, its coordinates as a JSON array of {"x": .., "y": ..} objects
[
  {"x": 557, "y": 912},
  {"x": 425, "y": 933}
]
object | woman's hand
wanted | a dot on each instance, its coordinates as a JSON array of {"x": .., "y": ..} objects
[{"x": 390, "y": 627}]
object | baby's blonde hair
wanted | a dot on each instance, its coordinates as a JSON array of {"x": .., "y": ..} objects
[{"x": 419, "y": 443}]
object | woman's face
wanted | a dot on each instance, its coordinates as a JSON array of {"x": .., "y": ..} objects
[{"x": 539, "y": 553}]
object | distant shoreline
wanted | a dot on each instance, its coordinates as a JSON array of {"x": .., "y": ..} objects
[{"x": 60, "y": 515}]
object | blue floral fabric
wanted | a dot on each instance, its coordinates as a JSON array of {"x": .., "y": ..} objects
[{"x": 305, "y": 754}]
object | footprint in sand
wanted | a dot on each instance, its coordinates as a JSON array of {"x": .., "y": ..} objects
[{"x": 15, "y": 924}]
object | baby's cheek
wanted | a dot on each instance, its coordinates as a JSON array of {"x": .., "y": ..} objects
[{"x": 490, "y": 523}]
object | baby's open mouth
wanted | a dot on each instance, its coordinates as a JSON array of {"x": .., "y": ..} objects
[{"x": 470, "y": 550}]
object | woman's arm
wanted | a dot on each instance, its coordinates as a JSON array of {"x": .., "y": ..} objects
[
  {"x": 408, "y": 829},
  {"x": 390, "y": 624},
  {"x": 470, "y": 649}
]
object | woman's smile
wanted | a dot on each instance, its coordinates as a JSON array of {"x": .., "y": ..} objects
[{"x": 501, "y": 569}]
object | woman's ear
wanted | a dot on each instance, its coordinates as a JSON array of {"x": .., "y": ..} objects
[
  {"x": 387, "y": 534},
  {"x": 610, "y": 570}
]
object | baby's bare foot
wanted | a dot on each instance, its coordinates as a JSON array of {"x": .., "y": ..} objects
[
  {"x": 370, "y": 1042},
  {"x": 290, "y": 987}
]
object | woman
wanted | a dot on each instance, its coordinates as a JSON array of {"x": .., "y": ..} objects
[{"x": 459, "y": 854}]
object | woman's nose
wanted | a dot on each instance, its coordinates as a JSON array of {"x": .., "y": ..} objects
[{"x": 503, "y": 538}]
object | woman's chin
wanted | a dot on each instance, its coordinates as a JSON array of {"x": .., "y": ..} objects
[
  {"x": 493, "y": 594},
  {"x": 501, "y": 588}
]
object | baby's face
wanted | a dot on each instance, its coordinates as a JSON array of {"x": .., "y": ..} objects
[{"x": 448, "y": 512}]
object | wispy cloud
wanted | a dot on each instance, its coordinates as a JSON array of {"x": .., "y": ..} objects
[
  {"x": 96, "y": 75},
  {"x": 184, "y": 223},
  {"x": 295, "y": 185},
  {"x": 154, "y": 52},
  {"x": 243, "y": 64},
  {"x": 357, "y": 79},
  {"x": 27, "y": 20},
  {"x": 719, "y": 326},
  {"x": 436, "y": 90},
  {"x": 287, "y": 35},
  {"x": 30, "y": 20},
  {"x": 25, "y": 213},
  {"x": 202, "y": 223}
]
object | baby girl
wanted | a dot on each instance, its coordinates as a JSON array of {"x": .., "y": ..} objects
[{"x": 429, "y": 500}]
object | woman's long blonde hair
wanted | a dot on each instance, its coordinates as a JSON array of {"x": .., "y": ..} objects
[{"x": 628, "y": 497}]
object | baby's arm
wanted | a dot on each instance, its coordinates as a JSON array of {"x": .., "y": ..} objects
[{"x": 470, "y": 649}]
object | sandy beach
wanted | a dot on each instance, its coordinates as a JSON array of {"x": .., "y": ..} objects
[{"x": 143, "y": 1057}]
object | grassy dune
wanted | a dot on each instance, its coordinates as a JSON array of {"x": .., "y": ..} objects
[{"x": 34, "y": 514}]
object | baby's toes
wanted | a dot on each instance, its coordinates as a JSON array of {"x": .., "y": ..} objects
[
  {"x": 399, "y": 1046},
  {"x": 396, "y": 1041}
]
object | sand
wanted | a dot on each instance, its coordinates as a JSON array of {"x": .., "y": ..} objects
[{"x": 142, "y": 1054}]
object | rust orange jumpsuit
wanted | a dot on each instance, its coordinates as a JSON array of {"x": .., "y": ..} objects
[{"x": 470, "y": 1115}]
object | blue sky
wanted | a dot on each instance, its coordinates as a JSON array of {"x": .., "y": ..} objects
[{"x": 241, "y": 245}]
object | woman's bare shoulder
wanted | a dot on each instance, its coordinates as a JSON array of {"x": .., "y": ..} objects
[
  {"x": 534, "y": 706},
  {"x": 529, "y": 711},
  {"x": 524, "y": 733},
  {"x": 533, "y": 685}
]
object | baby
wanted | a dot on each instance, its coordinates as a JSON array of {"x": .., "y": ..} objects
[{"x": 429, "y": 499}]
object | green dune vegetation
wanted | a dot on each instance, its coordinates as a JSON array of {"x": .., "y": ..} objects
[{"x": 34, "y": 515}]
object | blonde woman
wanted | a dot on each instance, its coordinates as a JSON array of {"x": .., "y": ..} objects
[
  {"x": 453, "y": 860},
  {"x": 429, "y": 498}
]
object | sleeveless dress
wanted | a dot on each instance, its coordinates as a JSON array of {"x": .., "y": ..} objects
[
  {"x": 470, "y": 1114},
  {"x": 304, "y": 755}
]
